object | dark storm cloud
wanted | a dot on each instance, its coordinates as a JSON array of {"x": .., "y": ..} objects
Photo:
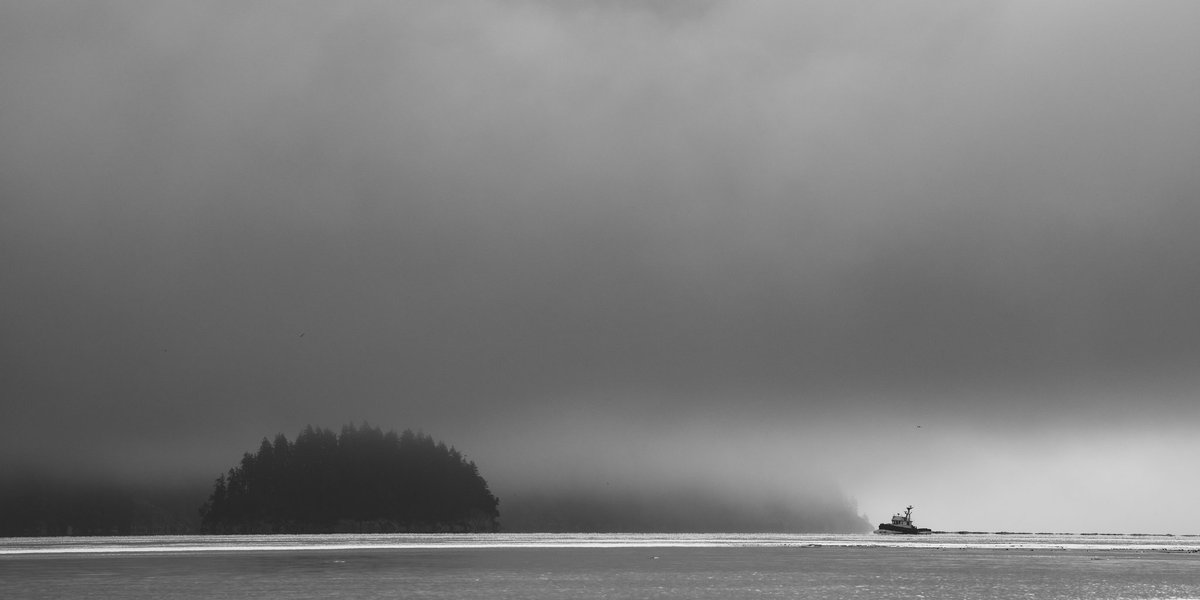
[{"x": 498, "y": 218}]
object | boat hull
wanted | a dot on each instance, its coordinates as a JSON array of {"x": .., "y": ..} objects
[{"x": 888, "y": 528}]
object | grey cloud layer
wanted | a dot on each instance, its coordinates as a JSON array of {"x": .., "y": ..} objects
[{"x": 473, "y": 210}]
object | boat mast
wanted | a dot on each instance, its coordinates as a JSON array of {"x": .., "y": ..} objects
[{"x": 908, "y": 514}]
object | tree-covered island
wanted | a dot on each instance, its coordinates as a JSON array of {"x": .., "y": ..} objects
[{"x": 362, "y": 480}]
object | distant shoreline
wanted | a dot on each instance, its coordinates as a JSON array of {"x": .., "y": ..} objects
[{"x": 221, "y": 544}]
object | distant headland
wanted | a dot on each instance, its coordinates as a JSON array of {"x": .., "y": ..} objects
[{"x": 365, "y": 480}]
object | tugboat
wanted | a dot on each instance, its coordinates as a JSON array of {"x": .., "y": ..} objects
[{"x": 902, "y": 524}]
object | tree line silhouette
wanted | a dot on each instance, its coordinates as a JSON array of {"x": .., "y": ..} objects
[
  {"x": 39, "y": 503},
  {"x": 366, "y": 480},
  {"x": 363, "y": 480}
]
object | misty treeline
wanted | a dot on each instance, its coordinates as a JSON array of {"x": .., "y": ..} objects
[
  {"x": 39, "y": 503},
  {"x": 361, "y": 480},
  {"x": 680, "y": 509},
  {"x": 366, "y": 480}
]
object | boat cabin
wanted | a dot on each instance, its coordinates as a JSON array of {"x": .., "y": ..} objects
[{"x": 903, "y": 519}]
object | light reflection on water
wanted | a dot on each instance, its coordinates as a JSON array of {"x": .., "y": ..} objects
[
  {"x": 244, "y": 543},
  {"x": 605, "y": 566}
]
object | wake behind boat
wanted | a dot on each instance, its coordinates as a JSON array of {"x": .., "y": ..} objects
[{"x": 902, "y": 524}]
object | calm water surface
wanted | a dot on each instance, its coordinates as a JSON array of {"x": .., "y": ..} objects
[{"x": 601, "y": 566}]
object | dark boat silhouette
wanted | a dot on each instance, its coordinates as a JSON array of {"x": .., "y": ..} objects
[{"x": 902, "y": 524}]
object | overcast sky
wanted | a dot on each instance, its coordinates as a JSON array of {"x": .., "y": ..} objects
[{"x": 941, "y": 253}]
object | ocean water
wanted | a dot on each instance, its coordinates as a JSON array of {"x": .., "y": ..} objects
[{"x": 543, "y": 566}]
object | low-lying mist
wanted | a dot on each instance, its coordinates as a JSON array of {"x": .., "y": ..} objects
[
  {"x": 678, "y": 509},
  {"x": 580, "y": 472}
]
